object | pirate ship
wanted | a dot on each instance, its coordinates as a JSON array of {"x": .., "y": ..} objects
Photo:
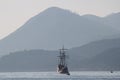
[{"x": 62, "y": 65}]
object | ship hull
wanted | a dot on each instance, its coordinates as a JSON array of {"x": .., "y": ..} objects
[{"x": 63, "y": 69}]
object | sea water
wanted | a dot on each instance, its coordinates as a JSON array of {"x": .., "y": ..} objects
[{"x": 81, "y": 75}]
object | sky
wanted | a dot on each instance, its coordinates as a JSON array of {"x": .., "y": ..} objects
[{"x": 14, "y": 13}]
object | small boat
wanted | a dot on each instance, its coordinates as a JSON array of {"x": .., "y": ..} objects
[
  {"x": 62, "y": 65},
  {"x": 111, "y": 71}
]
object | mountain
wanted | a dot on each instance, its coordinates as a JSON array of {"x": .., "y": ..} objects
[
  {"x": 92, "y": 17},
  {"x": 33, "y": 60},
  {"x": 109, "y": 60},
  {"x": 54, "y": 27},
  {"x": 112, "y": 20},
  {"x": 97, "y": 55}
]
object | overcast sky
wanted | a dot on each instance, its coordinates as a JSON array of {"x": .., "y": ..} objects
[{"x": 14, "y": 13}]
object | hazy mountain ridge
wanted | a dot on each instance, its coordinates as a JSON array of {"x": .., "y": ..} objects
[
  {"x": 108, "y": 59},
  {"x": 32, "y": 60},
  {"x": 99, "y": 55},
  {"x": 52, "y": 28},
  {"x": 112, "y": 20}
]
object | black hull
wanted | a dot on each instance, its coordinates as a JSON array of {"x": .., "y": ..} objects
[{"x": 63, "y": 70}]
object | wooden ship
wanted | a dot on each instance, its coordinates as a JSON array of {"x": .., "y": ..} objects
[{"x": 62, "y": 65}]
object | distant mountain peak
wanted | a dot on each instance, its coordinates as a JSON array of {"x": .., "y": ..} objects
[
  {"x": 113, "y": 14},
  {"x": 52, "y": 28},
  {"x": 90, "y": 15},
  {"x": 57, "y": 10}
]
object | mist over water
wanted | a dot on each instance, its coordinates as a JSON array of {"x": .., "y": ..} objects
[
  {"x": 83, "y": 75},
  {"x": 61, "y": 79}
]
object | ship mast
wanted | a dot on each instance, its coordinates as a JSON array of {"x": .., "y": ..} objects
[
  {"x": 63, "y": 57},
  {"x": 62, "y": 66}
]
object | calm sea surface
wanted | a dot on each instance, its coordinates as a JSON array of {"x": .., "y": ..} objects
[{"x": 83, "y": 75}]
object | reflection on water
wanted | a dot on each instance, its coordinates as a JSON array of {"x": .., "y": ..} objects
[
  {"x": 61, "y": 79},
  {"x": 84, "y": 75}
]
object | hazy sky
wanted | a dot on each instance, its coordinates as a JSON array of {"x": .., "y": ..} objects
[{"x": 14, "y": 13}]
